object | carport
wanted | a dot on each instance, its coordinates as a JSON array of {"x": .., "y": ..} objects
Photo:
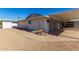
[{"x": 68, "y": 19}]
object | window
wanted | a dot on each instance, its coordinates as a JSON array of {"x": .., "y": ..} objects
[{"x": 30, "y": 21}]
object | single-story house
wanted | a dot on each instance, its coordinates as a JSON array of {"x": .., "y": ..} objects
[
  {"x": 33, "y": 22},
  {"x": 9, "y": 24}
]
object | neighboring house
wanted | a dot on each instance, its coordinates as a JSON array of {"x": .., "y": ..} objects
[
  {"x": 9, "y": 24},
  {"x": 34, "y": 21}
]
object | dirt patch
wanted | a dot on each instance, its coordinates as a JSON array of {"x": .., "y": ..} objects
[{"x": 13, "y": 39}]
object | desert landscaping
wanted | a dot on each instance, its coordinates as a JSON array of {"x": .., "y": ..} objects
[
  {"x": 37, "y": 32},
  {"x": 15, "y": 39}
]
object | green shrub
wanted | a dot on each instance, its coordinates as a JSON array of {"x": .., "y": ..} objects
[{"x": 0, "y": 22}]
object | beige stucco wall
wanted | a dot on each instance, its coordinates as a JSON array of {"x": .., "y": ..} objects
[
  {"x": 22, "y": 24},
  {"x": 76, "y": 22},
  {"x": 36, "y": 24}
]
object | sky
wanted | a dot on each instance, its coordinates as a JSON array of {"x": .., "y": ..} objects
[{"x": 13, "y": 13}]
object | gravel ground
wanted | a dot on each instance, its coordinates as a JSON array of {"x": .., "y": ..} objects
[
  {"x": 71, "y": 33},
  {"x": 17, "y": 40}
]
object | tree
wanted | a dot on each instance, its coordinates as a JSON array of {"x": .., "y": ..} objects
[{"x": 0, "y": 22}]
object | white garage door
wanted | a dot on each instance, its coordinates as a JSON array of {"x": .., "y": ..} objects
[{"x": 6, "y": 24}]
